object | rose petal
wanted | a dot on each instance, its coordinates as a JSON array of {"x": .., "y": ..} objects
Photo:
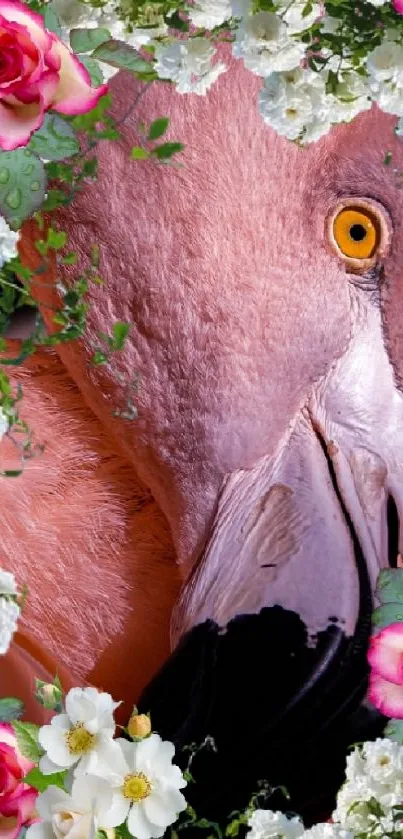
[
  {"x": 139, "y": 825},
  {"x": 385, "y": 654},
  {"x": 18, "y": 123},
  {"x": 9, "y": 828},
  {"x": 26, "y": 804},
  {"x": 386, "y": 696},
  {"x": 17, "y": 12},
  {"x": 74, "y": 94}
]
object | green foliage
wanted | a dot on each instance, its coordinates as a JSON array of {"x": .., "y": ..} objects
[
  {"x": 55, "y": 140},
  {"x": 50, "y": 18},
  {"x": 93, "y": 69},
  {"x": 22, "y": 185},
  {"x": 27, "y": 738},
  {"x": 167, "y": 150},
  {"x": 394, "y": 731},
  {"x": 37, "y": 780},
  {"x": 85, "y": 40},
  {"x": 158, "y": 128},
  {"x": 122, "y": 56},
  {"x": 10, "y": 709}
]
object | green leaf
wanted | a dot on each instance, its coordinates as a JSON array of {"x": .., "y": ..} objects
[
  {"x": 10, "y": 709},
  {"x": 394, "y": 730},
  {"x": 389, "y": 586},
  {"x": 86, "y": 40},
  {"x": 93, "y": 69},
  {"x": 55, "y": 139},
  {"x": 22, "y": 185},
  {"x": 167, "y": 150},
  {"x": 99, "y": 357},
  {"x": 56, "y": 239},
  {"x": 387, "y": 614},
  {"x": 121, "y": 55},
  {"x": 137, "y": 153},
  {"x": 38, "y": 781},
  {"x": 51, "y": 20},
  {"x": 158, "y": 128},
  {"x": 27, "y": 739},
  {"x": 120, "y": 332}
]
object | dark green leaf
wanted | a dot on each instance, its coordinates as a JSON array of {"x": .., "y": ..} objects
[
  {"x": 10, "y": 709},
  {"x": 51, "y": 20},
  {"x": 121, "y": 55},
  {"x": 167, "y": 150},
  {"x": 22, "y": 185},
  {"x": 55, "y": 140},
  {"x": 87, "y": 40},
  {"x": 158, "y": 128},
  {"x": 387, "y": 614}
]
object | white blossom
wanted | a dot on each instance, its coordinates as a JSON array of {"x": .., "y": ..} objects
[
  {"x": 9, "y": 614},
  {"x": 71, "y": 816},
  {"x": 8, "y": 242},
  {"x": 271, "y": 824},
  {"x": 378, "y": 2},
  {"x": 145, "y": 787},
  {"x": 327, "y": 831},
  {"x": 265, "y": 46},
  {"x": 293, "y": 15},
  {"x": 189, "y": 64},
  {"x": 385, "y": 68},
  {"x": 373, "y": 772},
  {"x": 208, "y": 14},
  {"x": 82, "y": 736},
  {"x": 289, "y": 102},
  {"x": 8, "y": 584}
]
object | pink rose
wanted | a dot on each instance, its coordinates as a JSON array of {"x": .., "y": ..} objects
[
  {"x": 37, "y": 72},
  {"x": 385, "y": 655},
  {"x": 398, "y": 4},
  {"x": 17, "y": 800}
]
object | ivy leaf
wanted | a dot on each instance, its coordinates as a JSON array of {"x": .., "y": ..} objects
[
  {"x": 137, "y": 153},
  {"x": 55, "y": 139},
  {"x": 158, "y": 128},
  {"x": 93, "y": 69},
  {"x": 120, "y": 332},
  {"x": 389, "y": 586},
  {"x": 86, "y": 40},
  {"x": 167, "y": 150},
  {"x": 51, "y": 20},
  {"x": 27, "y": 739},
  {"x": 38, "y": 781},
  {"x": 22, "y": 185},
  {"x": 121, "y": 55},
  {"x": 387, "y": 614},
  {"x": 10, "y": 709},
  {"x": 394, "y": 730}
]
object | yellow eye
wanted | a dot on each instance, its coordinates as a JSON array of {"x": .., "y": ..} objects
[{"x": 357, "y": 232}]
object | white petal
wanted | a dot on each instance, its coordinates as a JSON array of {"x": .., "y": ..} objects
[
  {"x": 128, "y": 751},
  {"x": 139, "y": 825},
  {"x": 40, "y": 830},
  {"x": 47, "y": 800},
  {"x": 147, "y": 750},
  {"x": 79, "y": 707},
  {"x": 88, "y": 788},
  {"x": 159, "y": 810},
  {"x": 53, "y": 741},
  {"x": 47, "y": 767},
  {"x": 117, "y": 813}
]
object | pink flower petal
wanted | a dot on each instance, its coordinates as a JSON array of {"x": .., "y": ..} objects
[
  {"x": 19, "y": 13},
  {"x": 7, "y": 734},
  {"x": 26, "y": 804},
  {"x": 385, "y": 654},
  {"x": 18, "y": 123},
  {"x": 398, "y": 4},
  {"x": 74, "y": 94},
  {"x": 10, "y": 828},
  {"x": 387, "y": 697}
]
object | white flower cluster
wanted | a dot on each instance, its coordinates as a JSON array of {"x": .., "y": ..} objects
[
  {"x": 8, "y": 242},
  {"x": 110, "y": 782},
  {"x": 374, "y": 772},
  {"x": 294, "y": 100},
  {"x": 9, "y": 608},
  {"x": 374, "y": 775}
]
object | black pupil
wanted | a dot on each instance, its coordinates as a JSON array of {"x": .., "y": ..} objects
[{"x": 358, "y": 232}]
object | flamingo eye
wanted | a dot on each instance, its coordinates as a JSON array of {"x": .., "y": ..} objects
[{"x": 359, "y": 233}]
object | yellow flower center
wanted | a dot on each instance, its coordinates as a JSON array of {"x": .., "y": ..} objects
[
  {"x": 384, "y": 760},
  {"x": 79, "y": 740},
  {"x": 136, "y": 787}
]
